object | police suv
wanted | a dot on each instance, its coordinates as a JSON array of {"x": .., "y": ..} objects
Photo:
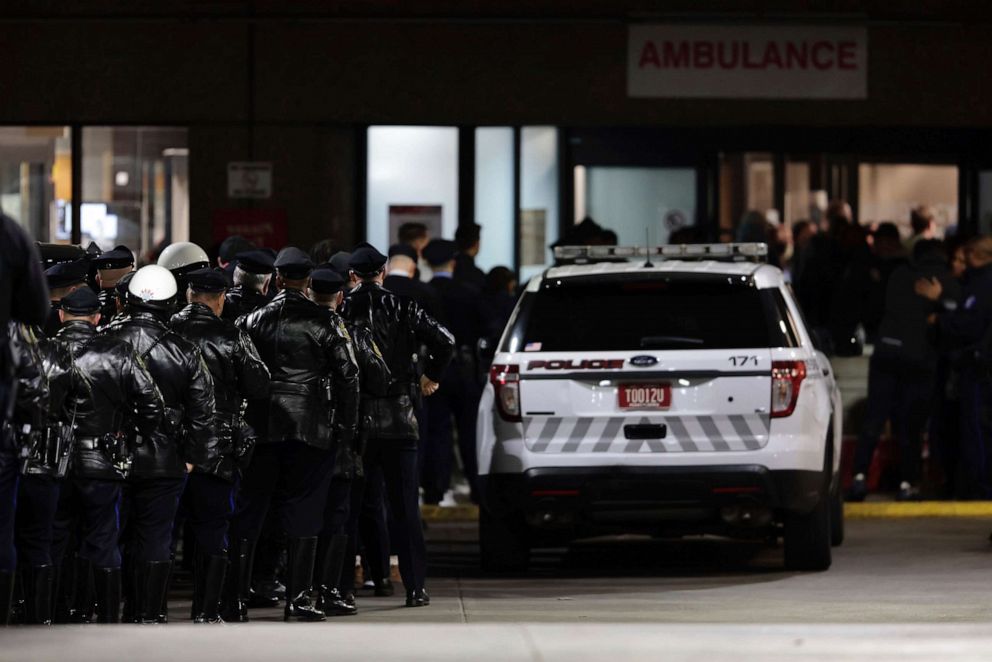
[{"x": 667, "y": 390}]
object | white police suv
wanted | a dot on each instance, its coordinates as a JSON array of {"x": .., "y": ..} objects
[{"x": 669, "y": 390}]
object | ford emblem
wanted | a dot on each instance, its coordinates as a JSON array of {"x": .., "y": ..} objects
[{"x": 643, "y": 361}]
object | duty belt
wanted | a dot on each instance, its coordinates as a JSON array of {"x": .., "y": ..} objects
[{"x": 88, "y": 443}]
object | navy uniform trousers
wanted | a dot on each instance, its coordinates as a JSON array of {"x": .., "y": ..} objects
[
  {"x": 291, "y": 477},
  {"x": 37, "y": 501},
  {"x": 207, "y": 506},
  {"x": 91, "y": 509},
  {"x": 8, "y": 506},
  {"x": 148, "y": 513}
]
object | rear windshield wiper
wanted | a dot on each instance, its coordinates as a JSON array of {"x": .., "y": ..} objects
[{"x": 660, "y": 342}]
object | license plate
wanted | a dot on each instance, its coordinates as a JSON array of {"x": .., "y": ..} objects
[{"x": 645, "y": 396}]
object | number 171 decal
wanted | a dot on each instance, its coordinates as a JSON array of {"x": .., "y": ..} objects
[{"x": 741, "y": 361}]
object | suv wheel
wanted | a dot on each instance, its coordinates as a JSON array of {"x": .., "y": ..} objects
[
  {"x": 502, "y": 543},
  {"x": 808, "y": 538}
]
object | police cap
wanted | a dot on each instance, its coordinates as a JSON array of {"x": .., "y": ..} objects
[
  {"x": 293, "y": 263},
  {"x": 403, "y": 249},
  {"x": 255, "y": 262},
  {"x": 120, "y": 257},
  {"x": 65, "y": 274},
  {"x": 207, "y": 280},
  {"x": 340, "y": 262},
  {"x": 325, "y": 280},
  {"x": 230, "y": 247},
  {"x": 80, "y": 302},
  {"x": 440, "y": 251},
  {"x": 366, "y": 260}
]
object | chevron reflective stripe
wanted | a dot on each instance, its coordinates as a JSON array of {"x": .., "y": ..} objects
[{"x": 685, "y": 434}]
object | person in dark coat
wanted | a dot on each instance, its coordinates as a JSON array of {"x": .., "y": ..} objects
[
  {"x": 184, "y": 440},
  {"x": 400, "y": 327},
  {"x": 63, "y": 279},
  {"x": 401, "y": 278},
  {"x": 902, "y": 370},
  {"x": 251, "y": 277},
  {"x": 111, "y": 266},
  {"x": 463, "y": 314},
  {"x": 965, "y": 329},
  {"x": 114, "y": 397},
  {"x": 467, "y": 242},
  {"x": 238, "y": 374},
  {"x": 23, "y": 300},
  {"x": 312, "y": 408},
  {"x": 327, "y": 290}
]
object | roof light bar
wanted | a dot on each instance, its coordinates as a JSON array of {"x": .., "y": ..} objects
[{"x": 753, "y": 252}]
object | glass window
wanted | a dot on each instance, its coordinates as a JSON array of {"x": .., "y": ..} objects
[
  {"x": 985, "y": 201},
  {"x": 651, "y": 313},
  {"x": 412, "y": 177},
  {"x": 538, "y": 198},
  {"x": 888, "y": 192},
  {"x": 135, "y": 187},
  {"x": 36, "y": 180},
  {"x": 494, "y": 196},
  {"x": 632, "y": 200}
]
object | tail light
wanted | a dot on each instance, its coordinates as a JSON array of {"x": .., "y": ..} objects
[
  {"x": 787, "y": 377},
  {"x": 506, "y": 382}
]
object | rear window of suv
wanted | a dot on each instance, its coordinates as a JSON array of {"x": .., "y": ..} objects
[{"x": 659, "y": 312}]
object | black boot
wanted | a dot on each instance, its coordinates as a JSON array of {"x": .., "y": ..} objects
[
  {"x": 233, "y": 609},
  {"x": 38, "y": 583},
  {"x": 260, "y": 599},
  {"x": 198, "y": 580},
  {"x": 133, "y": 578},
  {"x": 299, "y": 577},
  {"x": 153, "y": 589},
  {"x": 82, "y": 604},
  {"x": 107, "y": 582},
  {"x": 213, "y": 569},
  {"x": 6, "y": 595},
  {"x": 418, "y": 598},
  {"x": 329, "y": 598}
]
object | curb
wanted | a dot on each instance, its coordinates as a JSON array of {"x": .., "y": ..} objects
[{"x": 869, "y": 510}]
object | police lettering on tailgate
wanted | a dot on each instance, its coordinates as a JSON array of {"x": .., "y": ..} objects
[{"x": 572, "y": 364}]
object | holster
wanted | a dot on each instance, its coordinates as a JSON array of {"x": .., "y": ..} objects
[
  {"x": 47, "y": 451},
  {"x": 116, "y": 448}
]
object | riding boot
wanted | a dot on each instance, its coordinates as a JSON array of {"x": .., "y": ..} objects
[
  {"x": 233, "y": 609},
  {"x": 329, "y": 599},
  {"x": 299, "y": 577},
  {"x": 6, "y": 595},
  {"x": 82, "y": 606},
  {"x": 37, "y": 583},
  {"x": 199, "y": 577},
  {"x": 213, "y": 569},
  {"x": 107, "y": 582},
  {"x": 155, "y": 586}
]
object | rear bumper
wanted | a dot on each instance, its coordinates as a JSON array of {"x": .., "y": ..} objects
[{"x": 625, "y": 498}]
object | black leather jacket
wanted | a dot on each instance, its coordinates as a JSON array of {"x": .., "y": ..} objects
[
  {"x": 241, "y": 301},
  {"x": 186, "y": 433},
  {"x": 27, "y": 410},
  {"x": 117, "y": 396},
  {"x": 400, "y": 326},
  {"x": 313, "y": 395},
  {"x": 46, "y": 449},
  {"x": 108, "y": 305},
  {"x": 238, "y": 374}
]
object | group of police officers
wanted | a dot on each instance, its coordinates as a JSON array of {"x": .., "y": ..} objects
[{"x": 182, "y": 396}]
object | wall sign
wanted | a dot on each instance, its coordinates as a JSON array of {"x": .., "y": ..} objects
[
  {"x": 747, "y": 61},
  {"x": 249, "y": 179},
  {"x": 266, "y": 228}
]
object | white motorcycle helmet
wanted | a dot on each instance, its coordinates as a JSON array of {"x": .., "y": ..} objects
[
  {"x": 183, "y": 256},
  {"x": 152, "y": 286}
]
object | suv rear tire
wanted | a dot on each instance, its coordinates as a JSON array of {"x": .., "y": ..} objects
[
  {"x": 807, "y": 537},
  {"x": 503, "y": 543}
]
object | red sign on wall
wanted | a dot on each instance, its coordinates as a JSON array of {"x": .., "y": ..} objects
[{"x": 266, "y": 228}]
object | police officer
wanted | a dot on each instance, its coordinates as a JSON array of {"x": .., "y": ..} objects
[
  {"x": 180, "y": 259},
  {"x": 400, "y": 326},
  {"x": 26, "y": 420},
  {"x": 327, "y": 290},
  {"x": 23, "y": 299},
  {"x": 313, "y": 376},
  {"x": 467, "y": 238},
  {"x": 251, "y": 282},
  {"x": 63, "y": 278},
  {"x": 45, "y": 442},
  {"x": 111, "y": 267},
  {"x": 238, "y": 373},
  {"x": 401, "y": 278},
  {"x": 184, "y": 440},
  {"x": 114, "y": 397},
  {"x": 460, "y": 391}
]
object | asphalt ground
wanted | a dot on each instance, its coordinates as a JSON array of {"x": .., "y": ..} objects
[{"x": 902, "y": 588}]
